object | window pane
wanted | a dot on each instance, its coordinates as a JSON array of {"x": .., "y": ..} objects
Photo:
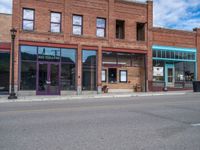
[
  {"x": 124, "y": 59},
  {"x": 140, "y": 32},
  {"x": 138, "y": 60},
  {"x": 123, "y": 76},
  {"x": 100, "y": 33},
  {"x": 68, "y": 75},
  {"x": 77, "y": 30},
  {"x": 154, "y": 53},
  {"x": 103, "y": 75},
  {"x": 28, "y": 76},
  {"x": 163, "y": 54},
  {"x": 68, "y": 55},
  {"x": 159, "y": 53},
  {"x": 29, "y": 53},
  {"x": 77, "y": 20},
  {"x": 168, "y": 54},
  {"x": 56, "y": 17},
  {"x": 28, "y": 14},
  {"x": 27, "y": 25},
  {"x": 109, "y": 58},
  {"x": 55, "y": 27},
  {"x": 189, "y": 72},
  {"x": 101, "y": 23},
  {"x": 180, "y": 55},
  {"x": 89, "y": 70},
  {"x": 4, "y": 71},
  {"x": 172, "y": 55},
  {"x": 48, "y": 54}
]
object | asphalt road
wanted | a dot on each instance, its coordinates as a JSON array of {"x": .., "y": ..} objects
[{"x": 137, "y": 123}]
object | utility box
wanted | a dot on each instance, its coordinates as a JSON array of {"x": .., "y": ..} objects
[{"x": 196, "y": 86}]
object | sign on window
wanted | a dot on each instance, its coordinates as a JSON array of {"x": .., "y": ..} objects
[{"x": 158, "y": 71}]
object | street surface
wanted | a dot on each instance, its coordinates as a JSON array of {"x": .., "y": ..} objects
[{"x": 137, "y": 123}]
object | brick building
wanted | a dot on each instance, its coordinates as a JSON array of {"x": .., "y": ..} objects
[
  {"x": 65, "y": 47},
  {"x": 5, "y": 22}
]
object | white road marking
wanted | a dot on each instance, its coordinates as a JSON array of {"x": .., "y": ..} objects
[{"x": 196, "y": 125}]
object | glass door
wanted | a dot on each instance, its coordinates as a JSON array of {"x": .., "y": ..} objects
[
  {"x": 54, "y": 88},
  {"x": 48, "y": 79},
  {"x": 169, "y": 75}
]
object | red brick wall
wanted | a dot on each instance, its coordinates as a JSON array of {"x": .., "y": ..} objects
[
  {"x": 90, "y": 9},
  {"x": 176, "y": 38},
  {"x": 198, "y": 51},
  {"x": 5, "y": 23}
]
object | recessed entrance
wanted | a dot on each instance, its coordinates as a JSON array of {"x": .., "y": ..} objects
[{"x": 48, "y": 78}]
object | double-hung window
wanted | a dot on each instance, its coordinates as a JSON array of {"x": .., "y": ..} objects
[
  {"x": 101, "y": 27},
  {"x": 55, "y": 22},
  {"x": 77, "y": 24},
  {"x": 28, "y": 19}
]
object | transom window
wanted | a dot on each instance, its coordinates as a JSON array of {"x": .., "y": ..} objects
[
  {"x": 55, "y": 22},
  {"x": 28, "y": 19},
  {"x": 162, "y": 54},
  {"x": 77, "y": 25},
  {"x": 101, "y": 27}
]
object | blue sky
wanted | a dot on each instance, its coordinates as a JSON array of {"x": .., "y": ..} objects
[{"x": 176, "y": 14}]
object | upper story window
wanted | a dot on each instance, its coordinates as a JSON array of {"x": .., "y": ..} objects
[
  {"x": 28, "y": 19},
  {"x": 55, "y": 22},
  {"x": 140, "y": 32},
  {"x": 101, "y": 27},
  {"x": 120, "y": 29},
  {"x": 77, "y": 25}
]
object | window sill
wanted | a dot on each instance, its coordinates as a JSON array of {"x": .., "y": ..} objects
[
  {"x": 141, "y": 42},
  {"x": 28, "y": 31},
  {"x": 101, "y": 38}
]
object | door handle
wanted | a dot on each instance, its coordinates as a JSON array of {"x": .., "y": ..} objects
[{"x": 48, "y": 82}]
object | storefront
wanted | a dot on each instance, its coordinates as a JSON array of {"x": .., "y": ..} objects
[
  {"x": 123, "y": 71},
  {"x": 173, "y": 67},
  {"x": 47, "y": 70},
  {"x": 4, "y": 71}
]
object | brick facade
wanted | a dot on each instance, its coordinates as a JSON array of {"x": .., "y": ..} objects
[
  {"x": 6, "y": 23},
  {"x": 111, "y": 10}
]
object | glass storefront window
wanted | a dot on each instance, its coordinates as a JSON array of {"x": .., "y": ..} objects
[
  {"x": 184, "y": 71},
  {"x": 68, "y": 74},
  {"x": 124, "y": 59},
  {"x": 137, "y": 60},
  {"x": 65, "y": 58},
  {"x": 28, "y": 75},
  {"x": 4, "y": 71},
  {"x": 29, "y": 53},
  {"x": 68, "y": 55},
  {"x": 89, "y": 70},
  {"x": 109, "y": 58}
]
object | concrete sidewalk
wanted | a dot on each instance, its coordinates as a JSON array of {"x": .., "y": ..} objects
[{"x": 4, "y": 98}]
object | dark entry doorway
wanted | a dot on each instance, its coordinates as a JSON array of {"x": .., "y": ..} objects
[
  {"x": 4, "y": 72},
  {"x": 48, "y": 78}
]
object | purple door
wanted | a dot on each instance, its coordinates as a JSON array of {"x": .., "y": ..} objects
[{"x": 48, "y": 78}]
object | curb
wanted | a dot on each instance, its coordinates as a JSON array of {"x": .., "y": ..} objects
[{"x": 82, "y": 97}]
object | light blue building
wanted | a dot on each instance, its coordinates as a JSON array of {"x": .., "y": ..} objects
[{"x": 174, "y": 67}]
